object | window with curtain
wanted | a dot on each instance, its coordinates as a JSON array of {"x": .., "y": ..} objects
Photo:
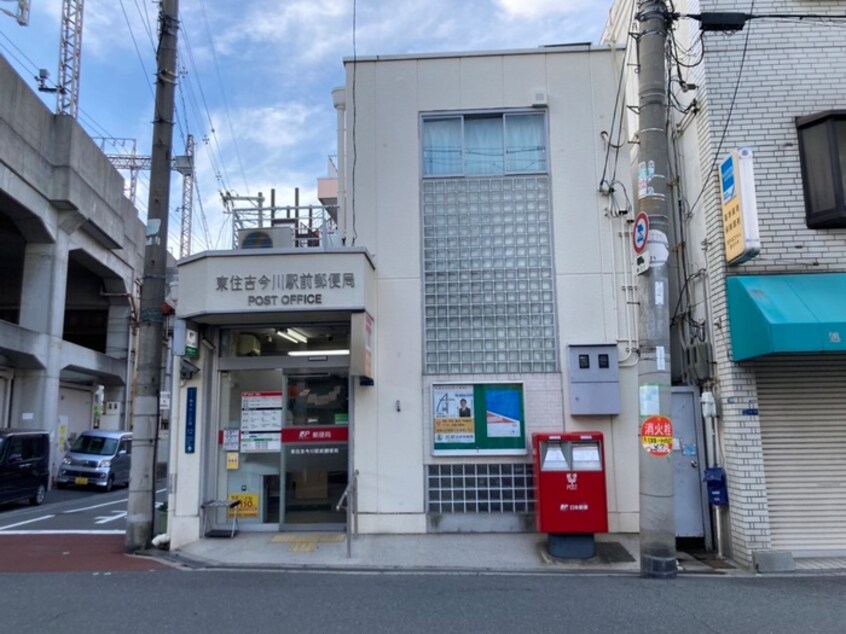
[{"x": 484, "y": 144}]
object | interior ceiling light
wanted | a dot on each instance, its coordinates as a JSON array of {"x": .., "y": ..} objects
[
  {"x": 296, "y": 334},
  {"x": 316, "y": 353},
  {"x": 285, "y": 335}
]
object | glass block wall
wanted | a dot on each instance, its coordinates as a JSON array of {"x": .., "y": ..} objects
[
  {"x": 488, "y": 278},
  {"x": 480, "y": 488}
]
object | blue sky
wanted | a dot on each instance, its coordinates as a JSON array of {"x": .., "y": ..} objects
[{"x": 258, "y": 75}]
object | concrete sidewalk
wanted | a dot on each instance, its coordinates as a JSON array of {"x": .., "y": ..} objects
[{"x": 479, "y": 553}]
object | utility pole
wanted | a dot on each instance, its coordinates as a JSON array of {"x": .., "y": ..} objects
[
  {"x": 142, "y": 483},
  {"x": 70, "y": 58},
  {"x": 657, "y": 509},
  {"x": 185, "y": 166}
]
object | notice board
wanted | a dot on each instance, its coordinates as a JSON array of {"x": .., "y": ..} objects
[{"x": 470, "y": 419}]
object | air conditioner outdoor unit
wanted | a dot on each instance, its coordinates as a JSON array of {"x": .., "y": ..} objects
[
  {"x": 539, "y": 98},
  {"x": 267, "y": 238}
]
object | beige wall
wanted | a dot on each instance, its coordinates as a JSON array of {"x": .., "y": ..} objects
[{"x": 591, "y": 259}]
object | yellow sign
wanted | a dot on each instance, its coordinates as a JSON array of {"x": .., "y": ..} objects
[
  {"x": 249, "y": 504},
  {"x": 733, "y": 229},
  {"x": 739, "y": 207},
  {"x": 453, "y": 425},
  {"x": 232, "y": 460}
]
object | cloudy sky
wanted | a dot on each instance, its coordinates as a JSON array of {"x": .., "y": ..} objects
[{"x": 257, "y": 75}]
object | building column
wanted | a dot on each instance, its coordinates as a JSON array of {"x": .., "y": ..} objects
[
  {"x": 119, "y": 342},
  {"x": 35, "y": 395},
  {"x": 44, "y": 287}
]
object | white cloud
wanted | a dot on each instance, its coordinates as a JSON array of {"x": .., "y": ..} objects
[
  {"x": 271, "y": 127},
  {"x": 533, "y": 9},
  {"x": 261, "y": 72}
]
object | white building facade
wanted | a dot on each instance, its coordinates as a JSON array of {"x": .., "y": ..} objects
[
  {"x": 764, "y": 332},
  {"x": 477, "y": 267}
]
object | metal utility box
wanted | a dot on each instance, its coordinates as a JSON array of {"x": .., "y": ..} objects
[
  {"x": 571, "y": 504},
  {"x": 715, "y": 480},
  {"x": 594, "y": 380}
]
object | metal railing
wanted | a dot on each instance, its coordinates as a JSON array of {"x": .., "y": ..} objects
[{"x": 350, "y": 497}]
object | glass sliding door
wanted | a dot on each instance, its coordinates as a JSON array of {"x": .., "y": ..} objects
[{"x": 315, "y": 459}]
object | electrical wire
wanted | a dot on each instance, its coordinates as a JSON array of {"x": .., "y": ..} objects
[
  {"x": 223, "y": 94},
  {"x": 728, "y": 117},
  {"x": 354, "y": 117},
  {"x": 137, "y": 50},
  {"x": 219, "y": 167},
  {"x": 617, "y": 110}
]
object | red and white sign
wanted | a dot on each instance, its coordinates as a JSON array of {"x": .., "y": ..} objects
[
  {"x": 656, "y": 435},
  {"x": 261, "y": 411},
  {"x": 640, "y": 232},
  {"x": 315, "y": 434}
]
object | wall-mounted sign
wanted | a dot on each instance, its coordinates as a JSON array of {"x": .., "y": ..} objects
[
  {"x": 261, "y": 442},
  {"x": 250, "y": 281},
  {"x": 190, "y": 419},
  {"x": 192, "y": 343},
  {"x": 315, "y": 434},
  {"x": 261, "y": 411},
  {"x": 249, "y": 506},
  {"x": 478, "y": 419},
  {"x": 231, "y": 439},
  {"x": 740, "y": 207},
  {"x": 656, "y": 435},
  {"x": 362, "y": 341}
]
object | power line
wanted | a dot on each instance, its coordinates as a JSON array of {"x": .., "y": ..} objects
[
  {"x": 728, "y": 118},
  {"x": 223, "y": 94},
  {"x": 220, "y": 172}
]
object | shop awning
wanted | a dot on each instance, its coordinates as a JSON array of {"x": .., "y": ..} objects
[{"x": 776, "y": 314}]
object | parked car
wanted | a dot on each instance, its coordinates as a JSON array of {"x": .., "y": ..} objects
[
  {"x": 24, "y": 465},
  {"x": 97, "y": 458}
]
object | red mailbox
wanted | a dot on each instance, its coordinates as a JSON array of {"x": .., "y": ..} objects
[{"x": 570, "y": 500}]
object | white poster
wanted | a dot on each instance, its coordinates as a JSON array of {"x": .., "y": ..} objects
[{"x": 261, "y": 411}]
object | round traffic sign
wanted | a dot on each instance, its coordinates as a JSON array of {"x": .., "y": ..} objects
[{"x": 640, "y": 232}]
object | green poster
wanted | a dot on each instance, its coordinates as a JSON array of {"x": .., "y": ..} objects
[{"x": 478, "y": 419}]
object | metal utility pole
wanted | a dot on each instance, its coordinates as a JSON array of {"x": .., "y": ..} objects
[
  {"x": 130, "y": 161},
  {"x": 657, "y": 512},
  {"x": 185, "y": 166},
  {"x": 70, "y": 58},
  {"x": 139, "y": 519}
]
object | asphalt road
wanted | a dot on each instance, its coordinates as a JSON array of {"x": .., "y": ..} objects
[
  {"x": 75, "y": 530},
  {"x": 109, "y": 591},
  {"x": 214, "y": 602},
  {"x": 80, "y": 511}
]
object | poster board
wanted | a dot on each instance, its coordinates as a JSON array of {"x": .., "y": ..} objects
[{"x": 478, "y": 419}]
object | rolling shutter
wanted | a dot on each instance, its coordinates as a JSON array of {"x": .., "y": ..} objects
[{"x": 802, "y": 409}]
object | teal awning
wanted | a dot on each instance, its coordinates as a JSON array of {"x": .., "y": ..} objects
[{"x": 774, "y": 314}]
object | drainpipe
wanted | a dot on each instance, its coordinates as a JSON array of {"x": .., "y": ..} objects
[{"x": 339, "y": 100}]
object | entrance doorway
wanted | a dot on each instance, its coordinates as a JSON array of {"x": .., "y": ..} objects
[
  {"x": 314, "y": 457},
  {"x": 282, "y": 442},
  {"x": 283, "y": 447}
]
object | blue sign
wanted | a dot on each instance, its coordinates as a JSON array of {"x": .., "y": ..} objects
[
  {"x": 727, "y": 179},
  {"x": 191, "y": 420},
  {"x": 640, "y": 233}
]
